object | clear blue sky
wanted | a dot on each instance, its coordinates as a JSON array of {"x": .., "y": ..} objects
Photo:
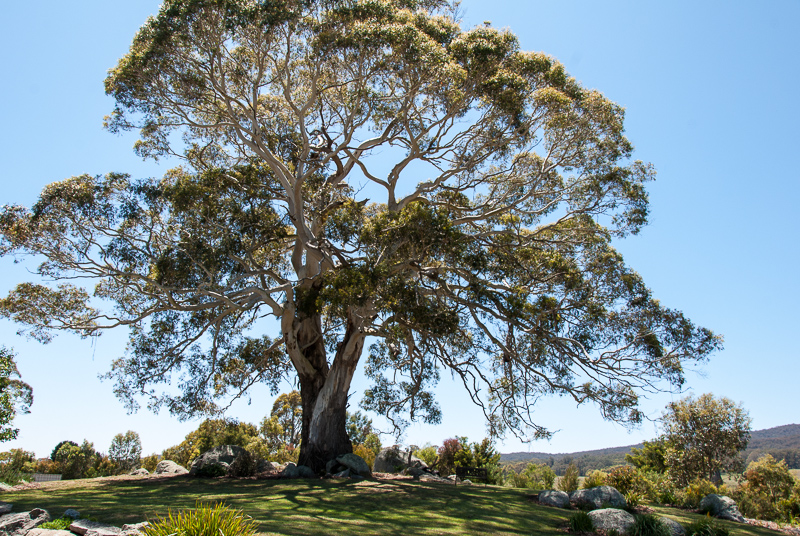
[{"x": 710, "y": 92}]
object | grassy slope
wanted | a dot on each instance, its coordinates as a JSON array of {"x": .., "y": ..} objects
[{"x": 320, "y": 506}]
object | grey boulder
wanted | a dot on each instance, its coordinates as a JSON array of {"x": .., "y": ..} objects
[
  {"x": 297, "y": 471},
  {"x": 599, "y": 497},
  {"x": 223, "y": 455},
  {"x": 5, "y": 508},
  {"x": 71, "y": 512},
  {"x": 612, "y": 519},
  {"x": 168, "y": 467},
  {"x": 552, "y": 497},
  {"x": 356, "y": 464},
  {"x": 139, "y": 472},
  {"x": 21, "y": 524},
  {"x": 49, "y": 532},
  {"x": 675, "y": 528},
  {"x": 722, "y": 507},
  {"x": 394, "y": 460},
  {"x": 84, "y": 527}
]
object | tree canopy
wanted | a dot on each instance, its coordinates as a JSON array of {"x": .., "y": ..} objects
[
  {"x": 364, "y": 171},
  {"x": 15, "y": 395},
  {"x": 704, "y": 436}
]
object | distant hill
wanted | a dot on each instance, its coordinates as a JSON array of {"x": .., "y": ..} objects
[{"x": 782, "y": 442}]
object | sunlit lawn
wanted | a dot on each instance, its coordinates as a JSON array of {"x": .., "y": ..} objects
[{"x": 307, "y": 507}]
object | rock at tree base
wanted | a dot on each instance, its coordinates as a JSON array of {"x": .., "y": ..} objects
[
  {"x": 21, "y": 524},
  {"x": 343, "y": 474},
  {"x": 599, "y": 497},
  {"x": 71, "y": 512},
  {"x": 85, "y": 527},
  {"x": 552, "y": 497},
  {"x": 612, "y": 518},
  {"x": 675, "y": 528},
  {"x": 168, "y": 467},
  {"x": 5, "y": 508},
  {"x": 356, "y": 464},
  {"x": 266, "y": 466},
  {"x": 223, "y": 455},
  {"x": 295, "y": 471},
  {"x": 394, "y": 460},
  {"x": 722, "y": 507},
  {"x": 139, "y": 472}
]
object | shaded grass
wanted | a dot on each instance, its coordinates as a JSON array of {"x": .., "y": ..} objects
[
  {"x": 685, "y": 518},
  {"x": 306, "y": 507}
]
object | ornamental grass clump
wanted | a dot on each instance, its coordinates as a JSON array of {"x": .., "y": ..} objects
[
  {"x": 648, "y": 525},
  {"x": 204, "y": 520},
  {"x": 581, "y": 522}
]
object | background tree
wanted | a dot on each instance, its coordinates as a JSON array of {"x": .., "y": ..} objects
[
  {"x": 359, "y": 427},
  {"x": 126, "y": 451},
  {"x": 15, "y": 395},
  {"x": 569, "y": 482},
  {"x": 497, "y": 266},
  {"x": 651, "y": 457},
  {"x": 211, "y": 433},
  {"x": 704, "y": 436},
  {"x": 75, "y": 461},
  {"x": 58, "y": 447},
  {"x": 284, "y": 424}
]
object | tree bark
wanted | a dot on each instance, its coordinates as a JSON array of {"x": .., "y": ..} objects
[{"x": 324, "y": 389}]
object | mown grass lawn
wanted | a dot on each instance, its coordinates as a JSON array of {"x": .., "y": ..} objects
[{"x": 306, "y": 507}]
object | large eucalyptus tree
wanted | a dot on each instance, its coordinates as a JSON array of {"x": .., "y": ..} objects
[{"x": 363, "y": 171}]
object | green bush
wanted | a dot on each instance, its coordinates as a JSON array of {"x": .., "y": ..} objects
[
  {"x": 212, "y": 470},
  {"x": 627, "y": 479},
  {"x": 648, "y": 525},
  {"x": 595, "y": 479},
  {"x": 581, "y": 522},
  {"x": 569, "y": 482},
  {"x": 767, "y": 491},
  {"x": 150, "y": 462},
  {"x": 706, "y": 527},
  {"x": 691, "y": 495},
  {"x": 204, "y": 520},
  {"x": 61, "y": 523}
]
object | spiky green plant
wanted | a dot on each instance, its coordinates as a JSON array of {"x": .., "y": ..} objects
[
  {"x": 648, "y": 525},
  {"x": 204, "y": 520},
  {"x": 706, "y": 527},
  {"x": 581, "y": 522}
]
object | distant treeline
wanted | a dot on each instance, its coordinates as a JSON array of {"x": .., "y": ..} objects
[{"x": 782, "y": 442}]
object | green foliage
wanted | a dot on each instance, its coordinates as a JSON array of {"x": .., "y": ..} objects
[
  {"x": 211, "y": 433},
  {"x": 359, "y": 427},
  {"x": 595, "y": 479},
  {"x": 648, "y": 525},
  {"x": 538, "y": 476},
  {"x": 428, "y": 454},
  {"x": 285, "y": 422},
  {"x": 74, "y": 461},
  {"x": 569, "y": 482},
  {"x": 767, "y": 492},
  {"x": 651, "y": 457},
  {"x": 61, "y": 523},
  {"x": 703, "y": 437},
  {"x": 580, "y": 522},
  {"x": 150, "y": 462},
  {"x": 203, "y": 520},
  {"x": 58, "y": 446},
  {"x": 707, "y": 526},
  {"x": 627, "y": 479},
  {"x": 126, "y": 451},
  {"x": 15, "y": 395},
  {"x": 690, "y": 496},
  {"x": 212, "y": 470}
]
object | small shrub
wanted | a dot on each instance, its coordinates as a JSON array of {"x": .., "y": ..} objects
[
  {"x": 569, "y": 482},
  {"x": 150, "y": 462},
  {"x": 706, "y": 527},
  {"x": 648, "y": 525},
  {"x": 204, "y": 520},
  {"x": 61, "y": 523},
  {"x": 633, "y": 499},
  {"x": 627, "y": 479},
  {"x": 581, "y": 522},
  {"x": 691, "y": 495},
  {"x": 212, "y": 470},
  {"x": 595, "y": 479}
]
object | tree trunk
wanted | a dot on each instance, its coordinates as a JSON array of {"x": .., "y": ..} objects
[{"x": 324, "y": 389}]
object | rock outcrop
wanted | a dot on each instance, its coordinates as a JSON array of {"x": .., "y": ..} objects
[
  {"x": 20, "y": 524},
  {"x": 552, "y": 497},
  {"x": 394, "y": 460},
  {"x": 612, "y": 519},
  {"x": 355, "y": 464},
  {"x": 139, "y": 472},
  {"x": 223, "y": 455},
  {"x": 599, "y": 497},
  {"x": 297, "y": 471},
  {"x": 168, "y": 467},
  {"x": 722, "y": 507}
]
